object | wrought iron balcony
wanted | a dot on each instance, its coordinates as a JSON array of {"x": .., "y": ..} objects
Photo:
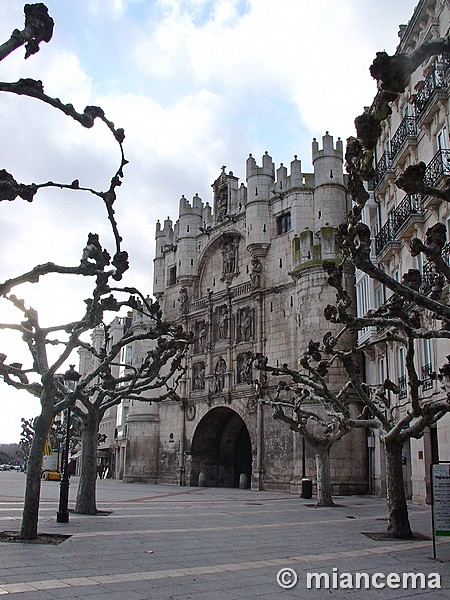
[
  {"x": 427, "y": 381},
  {"x": 437, "y": 168},
  {"x": 436, "y": 80},
  {"x": 410, "y": 205},
  {"x": 428, "y": 275},
  {"x": 383, "y": 237},
  {"x": 383, "y": 165},
  {"x": 429, "y": 272},
  {"x": 406, "y": 130}
]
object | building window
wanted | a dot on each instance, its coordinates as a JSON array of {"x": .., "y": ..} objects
[
  {"x": 362, "y": 297},
  {"x": 401, "y": 372},
  {"x": 173, "y": 275},
  {"x": 126, "y": 360},
  {"x": 379, "y": 296},
  {"x": 427, "y": 365},
  {"x": 442, "y": 142},
  {"x": 283, "y": 223},
  {"x": 381, "y": 371}
]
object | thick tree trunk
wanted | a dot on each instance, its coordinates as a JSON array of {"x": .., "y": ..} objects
[
  {"x": 323, "y": 472},
  {"x": 398, "y": 526},
  {"x": 30, "y": 513},
  {"x": 86, "y": 494}
]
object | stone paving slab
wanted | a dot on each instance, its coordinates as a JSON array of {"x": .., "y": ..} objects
[{"x": 170, "y": 543}]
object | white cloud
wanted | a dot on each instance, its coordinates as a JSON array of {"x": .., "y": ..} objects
[{"x": 115, "y": 8}]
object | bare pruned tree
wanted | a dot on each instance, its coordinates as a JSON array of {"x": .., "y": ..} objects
[
  {"x": 154, "y": 380},
  {"x": 50, "y": 347},
  {"x": 312, "y": 408}
]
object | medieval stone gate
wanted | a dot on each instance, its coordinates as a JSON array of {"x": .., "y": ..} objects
[{"x": 221, "y": 448}]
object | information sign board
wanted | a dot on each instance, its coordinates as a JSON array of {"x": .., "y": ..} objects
[{"x": 440, "y": 485}]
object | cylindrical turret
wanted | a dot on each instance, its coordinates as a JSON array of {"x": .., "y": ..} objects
[
  {"x": 190, "y": 219},
  {"x": 163, "y": 238},
  {"x": 330, "y": 199},
  {"x": 259, "y": 183}
]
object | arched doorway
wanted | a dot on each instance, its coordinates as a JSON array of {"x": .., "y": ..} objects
[{"x": 221, "y": 448}]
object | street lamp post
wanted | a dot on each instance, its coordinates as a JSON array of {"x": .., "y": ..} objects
[{"x": 62, "y": 516}]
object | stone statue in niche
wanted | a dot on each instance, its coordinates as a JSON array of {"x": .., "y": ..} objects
[
  {"x": 222, "y": 322},
  {"x": 198, "y": 376},
  {"x": 219, "y": 375},
  {"x": 200, "y": 336},
  {"x": 230, "y": 249},
  {"x": 255, "y": 274},
  {"x": 222, "y": 205},
  {"x": 229, "y": 259},
  {"x": 183, "y": 301},
  {"x": 245, "y": 324},
  {"x": 244, "y": 367}
]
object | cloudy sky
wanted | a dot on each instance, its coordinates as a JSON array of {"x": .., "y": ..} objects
[{"x": 196, "y": 84}]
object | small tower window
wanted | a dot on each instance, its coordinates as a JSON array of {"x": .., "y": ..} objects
[
  {"x": 173, "y": 275},
  {"x": 284, "y": 223}
]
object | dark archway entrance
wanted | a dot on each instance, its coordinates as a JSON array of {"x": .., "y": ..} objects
[{"x": 221, "y": 448}]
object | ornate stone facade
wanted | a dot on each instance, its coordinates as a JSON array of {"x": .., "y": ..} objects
[{"x": 245, "y": 276}]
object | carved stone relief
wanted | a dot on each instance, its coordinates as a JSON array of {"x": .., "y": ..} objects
[
  {"x": 200, "y": 336},
  {"x": 219, "y": 375},
  {"x": 244, "y": 367},
  {"x": 256, "y": 272},
  {"x": 222, "y": 323},
  {"x": 245, "y": 324},
  {"x": 183, "y": 301},
  {"x": 230, "y": 248},
  {"x": 198, "y": 376}
]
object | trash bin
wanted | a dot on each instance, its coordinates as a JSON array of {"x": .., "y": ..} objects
[
  {"x": 202, "y": 479},
  {"x": 306, "y": 488}
]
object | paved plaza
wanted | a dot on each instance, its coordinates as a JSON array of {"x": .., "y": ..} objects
[{"x": 164, "y": 542}]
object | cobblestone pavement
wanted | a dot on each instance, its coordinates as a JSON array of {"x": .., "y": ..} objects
[{"x": 164, "y": 542}]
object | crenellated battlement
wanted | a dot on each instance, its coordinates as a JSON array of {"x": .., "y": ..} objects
[
  {"x": 309, "y": 249},
  {"x": 328, "y": 148},
  {"x": 166, "y": 231},
  {"x": 296, "y": 179},
  {"x": 186, "y": 208},
  {"x": 267, "y": 168}
]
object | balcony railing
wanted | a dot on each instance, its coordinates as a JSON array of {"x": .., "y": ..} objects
[
  {"x": 436, "y": 80},
  {"x": 427, "y": 381},
  {"x": 383, "y": 165},
  {"x": 429, "y": 272},
  {"x": 437, "y": 168},
  {"x": 410, "y": 205},
  {"x": 406, "y": 130}
]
